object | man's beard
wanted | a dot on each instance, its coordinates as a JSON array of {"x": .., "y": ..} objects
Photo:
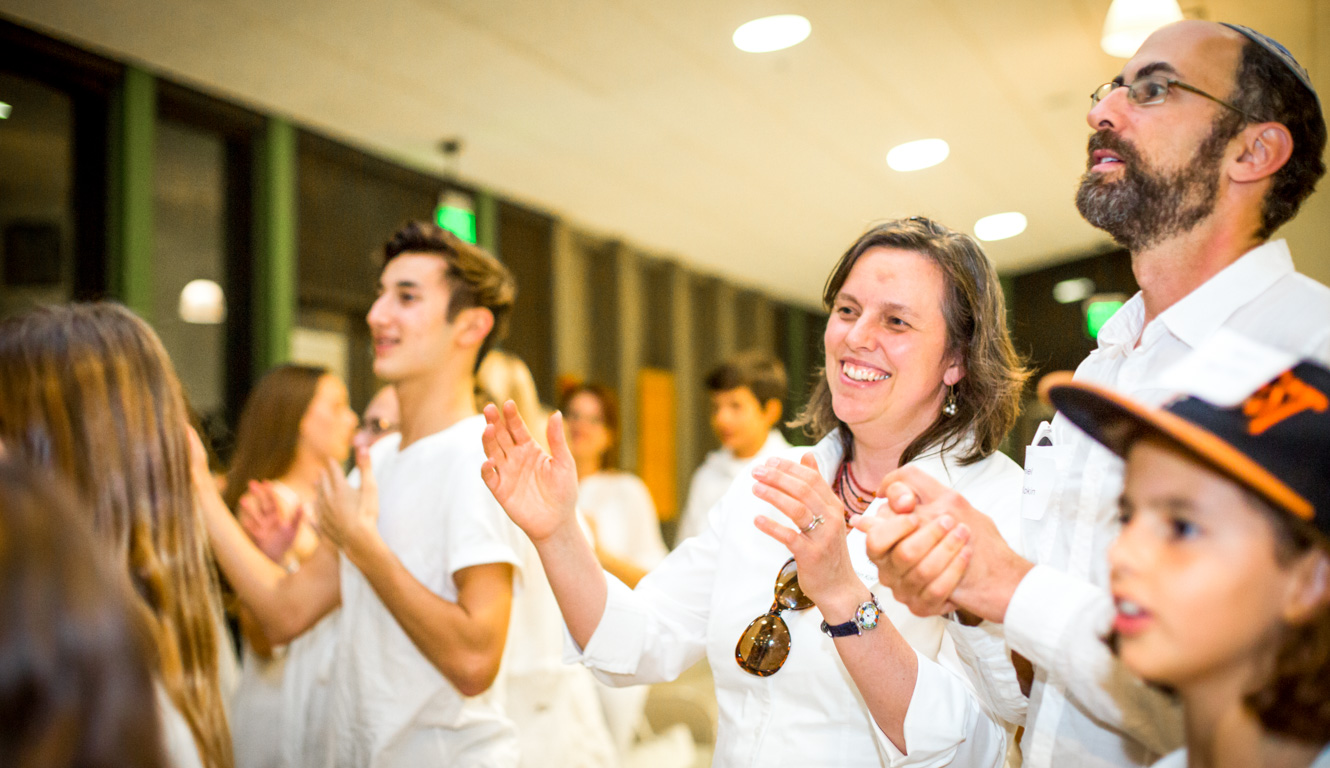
[{"x": 1144, "y": 208}]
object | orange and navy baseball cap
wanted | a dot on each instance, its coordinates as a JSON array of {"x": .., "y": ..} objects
[{"x": 1275, "y": 442}]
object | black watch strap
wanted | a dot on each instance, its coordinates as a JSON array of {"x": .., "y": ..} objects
[{"x": 841, "y": 630}]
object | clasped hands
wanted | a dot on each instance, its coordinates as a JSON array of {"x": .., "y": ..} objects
[{"x": 938, "y": 553}]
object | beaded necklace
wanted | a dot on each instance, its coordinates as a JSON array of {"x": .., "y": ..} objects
[{"x": 855, "y": 497}]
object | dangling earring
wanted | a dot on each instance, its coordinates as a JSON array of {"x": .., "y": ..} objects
[{"x": 949, "y": 407}]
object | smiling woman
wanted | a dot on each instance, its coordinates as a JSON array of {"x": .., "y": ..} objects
[
  {"x": 903, "y": 262},
  {"x": 919, "y": 370}
]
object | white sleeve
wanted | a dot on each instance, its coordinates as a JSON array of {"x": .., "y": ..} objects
[
  {"x": 984, "y": 656},
  {"x": 479, "y": 531},
  {"x": 1057, "y": 621},
  {"x": 654, "y": 632},
  {"x": 945, "y": 723},
  {"x": 982, "y": 650}
]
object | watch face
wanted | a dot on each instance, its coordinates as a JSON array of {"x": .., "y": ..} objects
[{"x": 866, "y": 616}]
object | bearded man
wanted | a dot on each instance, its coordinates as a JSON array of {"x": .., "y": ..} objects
[{"x": 1208, "y": 140}]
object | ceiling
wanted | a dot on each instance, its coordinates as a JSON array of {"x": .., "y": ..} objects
[{"x": 641, "y": 120}]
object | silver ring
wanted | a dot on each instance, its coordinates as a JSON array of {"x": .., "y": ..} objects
[{"x": 815, "y": 522}]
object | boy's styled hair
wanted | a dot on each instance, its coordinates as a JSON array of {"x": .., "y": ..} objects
[
  {"x": 475, "y": 278},
  {"x": 763, "y": 374}
]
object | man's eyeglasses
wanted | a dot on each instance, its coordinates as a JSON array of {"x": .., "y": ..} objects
[
  {"x": 1153, "y": 89},
  {"x": 765, "y": 644}
]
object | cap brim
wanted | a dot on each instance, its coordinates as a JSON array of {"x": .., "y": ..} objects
[{"x": 1118, "y": 422}]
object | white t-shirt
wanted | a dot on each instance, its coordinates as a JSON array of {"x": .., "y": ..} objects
[
  {"x": 306, "y": 687},
  {"x": 178, "y": 740},
  {"x": 620, "y": 506},
  {"x": 555, "y": 706},
  {"x": 391, "y": 708}
]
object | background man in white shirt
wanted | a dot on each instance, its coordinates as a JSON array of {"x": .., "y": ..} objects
[
  {"x": 1207, "y": 142},
  {"x": 426, "y": 578},
  {"x": 746, "y": 393}
]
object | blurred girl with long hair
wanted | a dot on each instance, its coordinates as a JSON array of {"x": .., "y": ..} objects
[
  {"x": 89, "y": 392},
  {"x": 295, "y": 422}
]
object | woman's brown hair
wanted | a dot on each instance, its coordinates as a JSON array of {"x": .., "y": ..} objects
[
  {"x": 988, "y": 397},
  {"x": 609, "y": 409},
  {"x": 75, "y": 689},
  {"x": 89, "y": 392},
  {"x": 269, "y": 428}
]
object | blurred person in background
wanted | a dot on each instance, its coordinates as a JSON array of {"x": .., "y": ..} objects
[
  {"x": 90, "y": 394},
  {"x": 919, "y": 371},
  {"x": 624, "y": 526},
  {"x": 76, "y": 686},
  {"x": 555, "y": 706},
  {"x": 382, "y": 418},
  {"x": 617, "y": 504},
  {"x": 296, "y": 421},
  {"x": 1205, "y": 143},
  {"x": 746, "y": 393}
]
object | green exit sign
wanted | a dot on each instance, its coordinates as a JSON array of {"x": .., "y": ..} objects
[
  {"x": 1097, "y": 313},
  {"x": 459, "y": 221}
]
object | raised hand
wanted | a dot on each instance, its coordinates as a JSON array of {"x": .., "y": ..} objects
[
  {"x": 538, "y": 490},
  {"x": 262, "y": 517},
  {"x": 347, "y": 515},
  {"x": 826, "y": 574}
]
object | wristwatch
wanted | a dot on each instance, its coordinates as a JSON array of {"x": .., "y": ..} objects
[{"x": 865, "y": 618}]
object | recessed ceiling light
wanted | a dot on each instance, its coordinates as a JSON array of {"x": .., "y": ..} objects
[
  {"x": 1129, "y": 22},
  {"x": 1070, "y": 291},
  {"x": 917, "y": 155},
  {"x": 772, "y": 33},
  {"x": 1000, "y": 226}
]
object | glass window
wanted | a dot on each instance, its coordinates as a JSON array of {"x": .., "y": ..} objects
[
  {"x": 189, "y": 308},
  {"x": 36, "y": 211}
]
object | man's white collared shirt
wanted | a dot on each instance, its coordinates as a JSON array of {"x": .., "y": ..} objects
[{"x": 1085, "y": 709}]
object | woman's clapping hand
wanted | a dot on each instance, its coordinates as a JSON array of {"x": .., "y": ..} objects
[
  {"x": 798, "y": 490},
  {"x": 538, "y": 490}
]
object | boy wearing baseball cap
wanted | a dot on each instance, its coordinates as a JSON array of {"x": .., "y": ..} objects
[{"x": 1221, "y": 575}]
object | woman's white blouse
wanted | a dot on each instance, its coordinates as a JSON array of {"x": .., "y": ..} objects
[{"x": 702, "y": 597}]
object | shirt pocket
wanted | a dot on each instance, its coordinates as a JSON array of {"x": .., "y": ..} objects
[{"x": 1043, "y": 465}]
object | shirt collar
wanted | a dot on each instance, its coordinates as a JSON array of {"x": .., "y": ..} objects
[
  {"x": 1125, "y": 326},
  {"x": 1200, "y": 313}
]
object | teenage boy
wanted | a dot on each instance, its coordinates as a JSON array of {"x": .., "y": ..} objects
[
  {"x": 746, "y": 393},
  {"x": 1204, "y": 144},
  {"x": 425, "y": 572}
]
